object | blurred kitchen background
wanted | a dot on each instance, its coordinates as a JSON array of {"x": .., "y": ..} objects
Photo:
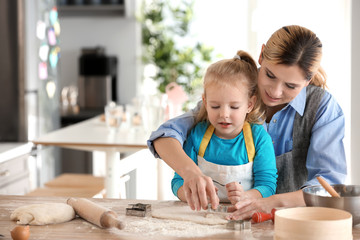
[{"x": 55, "y": 55}]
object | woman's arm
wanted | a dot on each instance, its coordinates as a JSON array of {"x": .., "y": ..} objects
[
  {"x": 176, "y": 128},
  {"x": 246, "y": 208},
  {"x": 197, "y": 187},
  {"x": 166, "y": 143},
  {"x": 326, "y": 154}
]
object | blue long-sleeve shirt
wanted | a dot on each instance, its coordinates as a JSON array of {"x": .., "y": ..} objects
[
  {"x": 232, "y": 152},
  {"x": 326, "y": 154}
]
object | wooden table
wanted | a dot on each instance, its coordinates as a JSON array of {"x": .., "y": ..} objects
[
  {"x": 80, "y": 229},
  {"x": 93, "y": 135}
]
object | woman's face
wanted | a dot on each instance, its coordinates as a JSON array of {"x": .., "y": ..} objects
[{"x": 279, "y": 84}]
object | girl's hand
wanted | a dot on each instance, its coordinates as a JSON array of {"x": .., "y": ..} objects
[
  {"x": 235, "y": 192},
  {"x": 198, "y": 189}
]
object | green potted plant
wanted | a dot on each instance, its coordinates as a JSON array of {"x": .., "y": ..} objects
[{"x": 168, "y": 46}]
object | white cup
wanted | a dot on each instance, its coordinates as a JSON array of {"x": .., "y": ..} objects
[{"x": 113, "y": 116}]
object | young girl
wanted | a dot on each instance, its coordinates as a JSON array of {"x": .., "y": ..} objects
[{"x": 228, "y": 142}]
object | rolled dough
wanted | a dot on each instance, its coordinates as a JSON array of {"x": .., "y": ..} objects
[
  {"x": 42, "y": 214},
  {"x": 184, "y": 213}
]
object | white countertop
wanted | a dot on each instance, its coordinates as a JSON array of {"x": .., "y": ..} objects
[
  {"x": 93, "y": 135},
  {"x": 10, "y": 150}
]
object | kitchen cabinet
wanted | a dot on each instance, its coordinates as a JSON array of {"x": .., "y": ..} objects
[
  {"x": 73, "y": 10},
  {"x": 14, "y": 168}
]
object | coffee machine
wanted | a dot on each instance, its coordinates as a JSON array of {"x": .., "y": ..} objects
[
  {"x": 97, "y": 79},
  {"x": 96, "y": 87}
]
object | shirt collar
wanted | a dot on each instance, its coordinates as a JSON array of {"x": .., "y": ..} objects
[{"x": 299, "y": 102}]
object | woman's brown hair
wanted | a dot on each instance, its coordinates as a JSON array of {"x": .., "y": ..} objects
[
  {"x": 230, "y": 71},
  {"x": 296, "y": 45}
]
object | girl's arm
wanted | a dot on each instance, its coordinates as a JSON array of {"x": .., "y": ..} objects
[{"x": 264, "y": 169}]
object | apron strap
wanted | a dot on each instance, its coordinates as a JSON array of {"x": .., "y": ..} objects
[
  {"x": 249, "y": 142},
  {"x": 205, "y": 140}
]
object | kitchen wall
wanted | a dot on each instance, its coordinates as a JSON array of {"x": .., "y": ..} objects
[
  {"x": 120, "y": 35},
  {"x": 355, "y": 89}
]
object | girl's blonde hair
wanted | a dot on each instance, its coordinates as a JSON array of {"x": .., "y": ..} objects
[
  {"x": 241, "y": 68},
  {"x": 296, "y": 45}
]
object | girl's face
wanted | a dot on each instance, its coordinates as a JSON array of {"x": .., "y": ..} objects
[
  {"x": 227, "y": 106},
  {"x": 279, "y": 84}
]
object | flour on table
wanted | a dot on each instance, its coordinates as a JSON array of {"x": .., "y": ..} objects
[
  {"x": 42, "y": 214},
  {"x": 184, "y": 213},
  {"x": 156, "y": 227}
]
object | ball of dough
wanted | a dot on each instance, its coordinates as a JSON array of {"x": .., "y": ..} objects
[{"x": 43, "y": 214}]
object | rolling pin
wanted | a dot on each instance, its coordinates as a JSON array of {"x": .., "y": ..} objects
[{"x": 98, "y": 215}]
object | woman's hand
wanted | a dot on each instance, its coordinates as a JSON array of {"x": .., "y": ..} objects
[
  {"x": 198, "y": 189},
  {"x": 245, "y": 208},
  {"x": 235, "y": 192}
]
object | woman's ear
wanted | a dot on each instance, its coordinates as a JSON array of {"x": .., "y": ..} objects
[
  {"x": 251, "y": 103},
  {"x": 261, "y": 54}
]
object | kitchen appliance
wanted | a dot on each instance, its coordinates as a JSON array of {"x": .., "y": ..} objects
[
  {"x": 29, "y": 106},
  {"x": 96, "y": 87},
  {"x": 97, "y": 80}
]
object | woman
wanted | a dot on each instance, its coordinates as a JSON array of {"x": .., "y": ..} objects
[{"x": 305, "y": 122}]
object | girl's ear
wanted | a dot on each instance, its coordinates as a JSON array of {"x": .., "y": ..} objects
[
  {"x": 204, "y": 100},
  {"x": 251, "y": 103},
  {"x": 261, "y": 54}
]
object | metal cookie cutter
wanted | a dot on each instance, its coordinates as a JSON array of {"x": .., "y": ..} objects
[
  {"x": 240, "y": 225},
  {"x": 139, "y": 210},
  {"x": 220, "y": 208}
]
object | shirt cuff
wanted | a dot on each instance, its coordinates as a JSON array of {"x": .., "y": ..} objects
[
  {"x": 158, "y": 134},
  {"x": 176, "y": 185},
  {"x": 265, "y": 191},
  {"x": 150, "y": 142}
]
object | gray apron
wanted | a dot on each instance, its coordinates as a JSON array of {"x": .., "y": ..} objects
[{"x": 291, "y": 166}]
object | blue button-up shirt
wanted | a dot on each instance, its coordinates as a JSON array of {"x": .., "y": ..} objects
[{"x": 326, "y": 154}]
